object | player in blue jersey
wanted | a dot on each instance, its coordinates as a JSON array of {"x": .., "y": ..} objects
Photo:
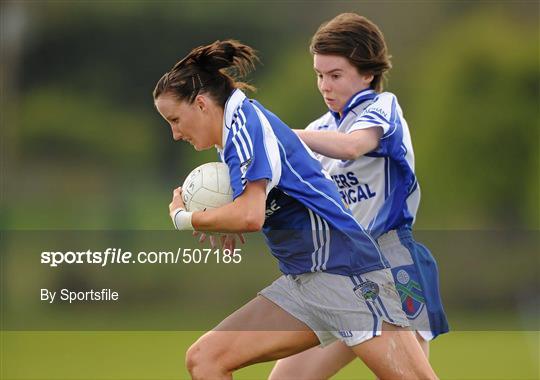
[
  {"x": 364, "y": 143},
  {"x": 335, "y": 283}
]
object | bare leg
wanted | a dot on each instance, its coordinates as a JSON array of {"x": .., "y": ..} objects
[
  {"x": 396, "y": 354},
  {"x": 322, "y": 363},
  {"x": 313, "y": 364},
  {"x": 423, "y": 343},
  {"x": 259, "y": 331}
]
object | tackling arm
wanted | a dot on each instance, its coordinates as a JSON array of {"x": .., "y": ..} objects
[{"x": 343, "y": 146}]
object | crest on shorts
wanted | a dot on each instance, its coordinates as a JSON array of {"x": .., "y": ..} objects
[
  {"x": 367, "y": 290},
  {"x": 410, "y": 292}
]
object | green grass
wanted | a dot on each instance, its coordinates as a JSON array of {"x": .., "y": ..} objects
[{"x": 160, "y": 355}]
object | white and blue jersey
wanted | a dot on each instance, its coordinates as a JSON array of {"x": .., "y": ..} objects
[
  {"x": 307, "y": 227},
  {"x": 380, "y": 187},
  {"x": 382, "y": 192}
]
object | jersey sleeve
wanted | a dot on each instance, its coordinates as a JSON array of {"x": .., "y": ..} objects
[
  {"x": 248, "y": 152},
  {"x": 383, "y": 113},
  {"x": 380, "y": 113},
  {"x": 321, "y": 124}
]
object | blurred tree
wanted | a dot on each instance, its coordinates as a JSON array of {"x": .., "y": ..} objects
[
  {"x": 84, "y": 126},
  {"x": 473, "y": 110},
  {"x": 290, "y": 89}
]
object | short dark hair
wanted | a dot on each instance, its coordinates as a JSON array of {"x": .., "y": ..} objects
[{"x": 359, "y": 40}]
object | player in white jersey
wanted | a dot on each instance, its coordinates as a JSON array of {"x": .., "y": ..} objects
[
  {"x": 335, "y": 285},
  {"x": 365, "y": 145}
]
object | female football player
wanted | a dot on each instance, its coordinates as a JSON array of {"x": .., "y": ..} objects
[
  {"x": 335, "y": 283},
  {"x": 363, "y": 141}
]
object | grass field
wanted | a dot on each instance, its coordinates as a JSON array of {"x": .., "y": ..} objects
[{"x": 160, "y": 355}]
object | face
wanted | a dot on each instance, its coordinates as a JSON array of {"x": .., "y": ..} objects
[
  {"x": 338, "y": 80},
  {"x": 195, "y": 123}
]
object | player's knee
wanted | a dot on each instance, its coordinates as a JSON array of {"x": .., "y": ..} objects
[
  {"x": 198, "y": 362},
  {"x": 193, "y": 359},
  {"x": 202, "y": 361}
]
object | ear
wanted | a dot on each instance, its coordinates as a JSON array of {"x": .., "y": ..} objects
[
  {"x": 368, "y": 78},
  {"x": 201, "y": 102}
]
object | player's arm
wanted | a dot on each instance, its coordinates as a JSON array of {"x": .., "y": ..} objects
[
  {"x": 343, "y": 146},
  {"x": 245, "y": 214}
]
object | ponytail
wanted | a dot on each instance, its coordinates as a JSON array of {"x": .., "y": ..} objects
[{"x": 213, "y": 69}]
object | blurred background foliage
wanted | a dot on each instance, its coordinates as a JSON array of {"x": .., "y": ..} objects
[{"x": 83, "y": 148}]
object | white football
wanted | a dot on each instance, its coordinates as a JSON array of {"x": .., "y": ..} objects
[{"x": 207, "y": 186}]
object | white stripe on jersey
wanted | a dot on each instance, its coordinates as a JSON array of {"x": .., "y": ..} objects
[
  {"x": 240, "y": 135},
  {"x": 235, "y": 128},
  {"x": 239, "y": 151},
  {"x": 387, "y": 174},
  {"x": 327, "y": 247},
  {"x": 315, "y": 241},
  {"x": 322, "y": 241},
  {"x": 271, "y": 149},
  {"x": 243, "y": 136},
  {"x": 241, "y": 114}
]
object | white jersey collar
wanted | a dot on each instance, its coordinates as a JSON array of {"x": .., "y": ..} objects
[
  {"x": 355, "y": 100},
  {"x": 231, "y": 105}
]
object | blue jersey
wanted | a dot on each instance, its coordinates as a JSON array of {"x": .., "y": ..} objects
[
  {"x": 307, "y": 227},
  {"x": 380, "y": 187}
]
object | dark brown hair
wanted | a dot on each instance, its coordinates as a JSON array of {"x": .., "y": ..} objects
[
  {"x": 211, "y": 69},
  {"x": 359, "y": 40}
]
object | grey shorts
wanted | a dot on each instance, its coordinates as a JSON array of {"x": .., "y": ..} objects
[{"x": 350, "y": 309}]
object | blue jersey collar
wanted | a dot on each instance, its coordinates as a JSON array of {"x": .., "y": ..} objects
[{"x": 355, "y": 100}]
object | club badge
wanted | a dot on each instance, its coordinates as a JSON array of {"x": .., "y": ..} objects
[
  {"x": 410, "y": 293},
  {"x": 367, "y": 290}
]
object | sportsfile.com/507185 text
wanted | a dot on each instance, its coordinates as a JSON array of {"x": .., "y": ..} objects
[{"x": 119, "y": 256}]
